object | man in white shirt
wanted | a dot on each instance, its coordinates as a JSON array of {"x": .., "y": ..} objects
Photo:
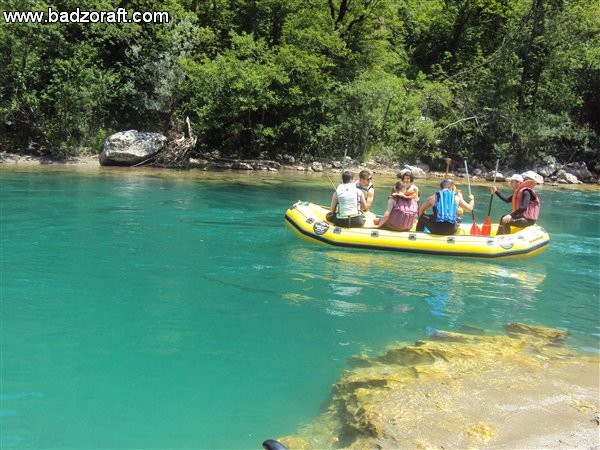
[{"x": 349, "y": 202}]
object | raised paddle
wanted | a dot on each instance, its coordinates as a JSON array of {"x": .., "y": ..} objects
[
  {"x": 486, "y": 227},
  {"x": 474, "y": 228}
]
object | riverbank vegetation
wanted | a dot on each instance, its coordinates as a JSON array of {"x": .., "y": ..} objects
[{"x": 397, "y": 79}]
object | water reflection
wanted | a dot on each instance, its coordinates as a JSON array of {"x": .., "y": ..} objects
[
  {"x": 443, "y": 297},
  {"x": 449, "y": 289},
  {"x": 409, "y": 270}
]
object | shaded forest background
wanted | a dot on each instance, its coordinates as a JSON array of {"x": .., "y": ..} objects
[{"x": 403, "y": 80}]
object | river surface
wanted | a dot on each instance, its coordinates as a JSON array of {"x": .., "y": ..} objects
[{"x": 151, "y": 309}]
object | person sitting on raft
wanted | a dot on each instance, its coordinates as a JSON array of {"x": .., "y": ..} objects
[
  {"x": 408, "y": 178},
  {"x": 349, "y": 202},
  {"x": 525, "y": 204},
  {"x": 365, "y": 184},
  {"x": 445, "y": 204},
  {"x": 401, "y": 209}
]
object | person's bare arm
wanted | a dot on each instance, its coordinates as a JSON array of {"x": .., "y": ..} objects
[
  {"x": 363, "y": 201},
  {"x": 426, "y": 204},
  {"x": 334, "y": 202},
  {"x": 369, "y": 198},
  {"x": 386, "y": 214},
  {"x": 467, "y": 206}
]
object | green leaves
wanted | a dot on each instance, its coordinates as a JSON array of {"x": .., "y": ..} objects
[{"x": 405, "y": 79}]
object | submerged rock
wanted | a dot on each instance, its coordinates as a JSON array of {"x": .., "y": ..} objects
[
  {"x": 461, "y": 391},
  {"x": 548, "y": 336}
]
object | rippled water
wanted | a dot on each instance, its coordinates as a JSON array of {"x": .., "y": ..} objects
[{"x": 147, "y": 309}]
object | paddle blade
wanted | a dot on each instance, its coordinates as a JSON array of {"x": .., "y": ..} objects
[
  {"x": 475, "y": 231},
  {"x": 486, "y": 227}
]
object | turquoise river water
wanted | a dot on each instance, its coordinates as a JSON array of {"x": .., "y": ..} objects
[{"x": 150, "y": 309}]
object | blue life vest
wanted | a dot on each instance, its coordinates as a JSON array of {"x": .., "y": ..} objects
[{"x": 445, "y": 206}]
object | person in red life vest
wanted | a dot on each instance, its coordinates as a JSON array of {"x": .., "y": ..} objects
[
  {"x": 525, "y": 204},
  {"x": 347, "y": 204},
  {"x": 365, "y": 184},
  {"x": 401, "y": 209},
  {"x": 445, "y": 203}
]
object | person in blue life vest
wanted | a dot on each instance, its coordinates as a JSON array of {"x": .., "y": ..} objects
[
  {"x": 445, "y": 204},
  {"x": 347, "y": 204},
  {"x": 525, "y": 204},
  {"x": 365, "y": 184},
  {"x": 458, "y": 193}
]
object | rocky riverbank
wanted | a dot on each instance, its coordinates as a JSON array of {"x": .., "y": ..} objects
[
  {"x": 550, "y": 174},
  {"x": 14, "y": 158}
]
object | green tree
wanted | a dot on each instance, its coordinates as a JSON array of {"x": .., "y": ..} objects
[{"x": 405, "y": 79}]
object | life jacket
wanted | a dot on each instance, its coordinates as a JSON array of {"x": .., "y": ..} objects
[
  {"x": 410, "y": 189},
  {"x": 402, "y": 216},
  {"x": 364, "y": 189},
  {"x": 445, "y": 206},
  {"x": 348, "y": 200},
  {"x": 533, "y": 209}
]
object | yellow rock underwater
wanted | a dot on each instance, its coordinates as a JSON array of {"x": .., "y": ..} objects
[{"x": 458, "y": 391}]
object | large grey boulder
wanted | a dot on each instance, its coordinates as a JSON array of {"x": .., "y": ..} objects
[
  {"x": 417, "y": 172},
  {"x": 531, "y": 175},
  {"x": 566, "y": 178},
  {"x": 493, "y": 175},
  {"x": 317, "y": 166},
  {"x": 579, "y": 169},
  {"x": 128, "y": 148},
  {"x": 546, "y": 169}
]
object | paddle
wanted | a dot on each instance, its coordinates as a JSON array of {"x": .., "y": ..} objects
[
  {"x": 486, "y": 228},
  {"x": 474, "y": 228},
  {"x": 330, "y": 180},
  {"x": 448, "y": 161}
]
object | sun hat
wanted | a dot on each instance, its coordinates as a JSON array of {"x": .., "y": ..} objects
[
  {"x": 516, "y": 177},
  {"x": 531, "y": 175}
]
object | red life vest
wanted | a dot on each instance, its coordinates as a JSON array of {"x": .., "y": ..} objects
[{"x": 533, "y": 209}]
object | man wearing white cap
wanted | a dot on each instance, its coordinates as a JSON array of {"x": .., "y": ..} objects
[{"x": 526, "y": 204}]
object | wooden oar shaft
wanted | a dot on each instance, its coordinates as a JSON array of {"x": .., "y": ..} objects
[
  {"x": 492, "y": 195},
  {"x": 468, "y": 181},
  {"x": 330, "y": 180},
  {"x": 469, "y": 185}
]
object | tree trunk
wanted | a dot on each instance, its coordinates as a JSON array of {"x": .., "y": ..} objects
[{"x": 533, "y": 56}]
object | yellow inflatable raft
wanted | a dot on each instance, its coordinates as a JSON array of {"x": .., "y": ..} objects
[{"x": 308, "y": 221}]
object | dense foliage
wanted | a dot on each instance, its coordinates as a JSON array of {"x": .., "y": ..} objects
[{"x": 405, "y": 79}]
